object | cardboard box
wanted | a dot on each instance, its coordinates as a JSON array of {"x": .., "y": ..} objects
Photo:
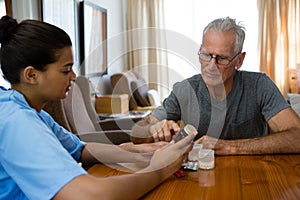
[
  {"x": 112, "y": 104},
  {"x": 294, "y": 81}
]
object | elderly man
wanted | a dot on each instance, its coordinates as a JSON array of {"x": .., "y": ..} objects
[{"x": 235, "y": 112}]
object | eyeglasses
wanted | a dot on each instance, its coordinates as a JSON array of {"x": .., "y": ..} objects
[{"x": 221, "y": 60}]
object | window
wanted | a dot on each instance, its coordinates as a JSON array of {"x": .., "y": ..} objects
[
  {"x": 85, "y": 23},
  {"x": 63, "y": 14},
  {"x": 2, "y": 8}
]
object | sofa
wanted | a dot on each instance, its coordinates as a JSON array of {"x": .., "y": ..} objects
[{"x": 294, "y": 100}]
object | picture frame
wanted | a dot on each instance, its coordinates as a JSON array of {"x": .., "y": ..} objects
[{"x": 93, "y": 39}]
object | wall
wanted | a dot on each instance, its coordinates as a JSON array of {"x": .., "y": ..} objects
[{"x": 116, "y": 42}]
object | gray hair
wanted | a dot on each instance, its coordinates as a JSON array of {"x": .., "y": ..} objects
[{"x": 228, "y": 24}]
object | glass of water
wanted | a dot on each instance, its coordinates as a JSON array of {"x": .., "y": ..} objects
[{"x": 206, "y": 159}]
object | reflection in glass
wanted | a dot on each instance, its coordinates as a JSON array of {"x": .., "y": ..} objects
[{"x": 95, "y": 47}]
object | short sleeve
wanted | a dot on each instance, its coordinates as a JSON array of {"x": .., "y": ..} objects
[
  {"x": 34, "y": 158},
  {"x": 269, "y": 97},
  {"x": 182, "y": 103},
  {"x": 69, "y": 140},
  {"x": 169, "y": 110}
]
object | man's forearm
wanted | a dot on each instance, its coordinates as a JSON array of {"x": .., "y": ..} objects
[{"x": 283, "y": 142}]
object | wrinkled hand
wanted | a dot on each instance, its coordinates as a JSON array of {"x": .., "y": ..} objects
[
  {"x": 207, "y": 142},
  {"x": 221, "y": 147},
  {"x": 164, "y": 130}
]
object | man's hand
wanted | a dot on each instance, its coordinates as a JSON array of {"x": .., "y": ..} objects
[
  {"x": 164, "y": 130},
  {"x": 221, "y": 147},
  {"x": 151, "y": 130}
]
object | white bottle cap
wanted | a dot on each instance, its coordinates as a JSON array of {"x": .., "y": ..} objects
[{"x": 189, "y": 129}]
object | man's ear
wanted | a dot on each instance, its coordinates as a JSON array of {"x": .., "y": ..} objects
[
  {"x": 241, "y": 60},
  {"x": 30, "y": 75}
]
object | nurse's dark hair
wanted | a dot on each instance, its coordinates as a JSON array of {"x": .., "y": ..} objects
[{"x": 29, "y": 43}]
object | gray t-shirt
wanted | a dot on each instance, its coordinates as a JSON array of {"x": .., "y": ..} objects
[{"x": 252, "y": 101}]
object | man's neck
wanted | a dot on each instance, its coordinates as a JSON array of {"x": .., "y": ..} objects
[{"x": 220, "y": 92}]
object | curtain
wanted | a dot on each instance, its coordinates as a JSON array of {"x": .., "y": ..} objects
[
  {"x": 146, "y": 42},
  {"x": 279, "y": 45}
]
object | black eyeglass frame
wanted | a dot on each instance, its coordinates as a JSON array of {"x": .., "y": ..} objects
[{"x": 217, "y": 57}]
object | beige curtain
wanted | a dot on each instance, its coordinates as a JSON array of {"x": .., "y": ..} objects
[
  {"x": 146, "y": 42},
  {"x": 279, "y": 46}
]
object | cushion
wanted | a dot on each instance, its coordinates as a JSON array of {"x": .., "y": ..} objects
[
  {"x": 121, "y": 85},
  {"x": 154, "y": 97},
  {"x": 296, "y": 108},
  {"x": 140, "y": 92},
  {"x": 295, "y": 102}
]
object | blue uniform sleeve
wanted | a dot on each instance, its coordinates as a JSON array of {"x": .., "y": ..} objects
[
  {"x": 40, "y": 159},
  {"x": 69, "y": 140}
]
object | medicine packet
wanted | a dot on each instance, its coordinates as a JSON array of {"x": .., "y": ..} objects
[{"x": 191, "y": 165}]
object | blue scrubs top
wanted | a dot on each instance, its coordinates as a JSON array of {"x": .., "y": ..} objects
[{"x": 37, "y": 155}]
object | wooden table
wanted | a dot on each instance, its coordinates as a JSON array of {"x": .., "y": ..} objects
[{"x": 234, "y": 177}]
